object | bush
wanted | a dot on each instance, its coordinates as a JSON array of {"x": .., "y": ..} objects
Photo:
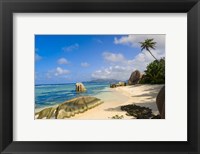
[{"x": 155, "y": 73}]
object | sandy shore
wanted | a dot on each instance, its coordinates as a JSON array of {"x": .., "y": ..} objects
[
  {"x": 114, "y": 98},
  {"x": 143, "y": 95}
]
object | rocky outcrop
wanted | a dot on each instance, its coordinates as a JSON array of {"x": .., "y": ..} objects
[
  {"x": 69, "y": 108},
  {"x": 113, "y": 85},
  {"x": 80, "y": 87},
  {"x": 160, "y": 101},
  {"x": 118, "y": 84},
  {"x": 47, "y": 113},
  {"x": 122, "y": 83},
  {"x": 134, "y": 78}
]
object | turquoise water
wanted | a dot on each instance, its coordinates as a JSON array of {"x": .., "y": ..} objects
[{"x": 51, "y": 94}]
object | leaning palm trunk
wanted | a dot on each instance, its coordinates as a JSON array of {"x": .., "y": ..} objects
[{"x": 152, "y": 55}]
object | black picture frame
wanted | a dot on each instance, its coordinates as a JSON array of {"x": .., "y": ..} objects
[{"x": 8, "y": 7}]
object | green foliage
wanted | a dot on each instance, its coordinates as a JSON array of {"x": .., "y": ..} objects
[
  {"x": 155, "y": 73},
  {"x": 147, "y": 45}
]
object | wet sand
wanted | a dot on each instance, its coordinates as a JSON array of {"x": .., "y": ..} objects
[{"x": 114, "y": 98}]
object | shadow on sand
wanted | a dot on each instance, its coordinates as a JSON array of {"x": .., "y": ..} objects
[
  {"x": 146, "y": 99},
  {"x": 149, "y": 93}
]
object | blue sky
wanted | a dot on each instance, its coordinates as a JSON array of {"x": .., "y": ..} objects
[{"x": 77, "y": 58}]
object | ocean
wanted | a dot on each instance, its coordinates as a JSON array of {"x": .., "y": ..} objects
[{"x": 52, "y": 94}]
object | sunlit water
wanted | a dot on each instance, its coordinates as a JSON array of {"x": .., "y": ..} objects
[{"x": 51, "y": 94}]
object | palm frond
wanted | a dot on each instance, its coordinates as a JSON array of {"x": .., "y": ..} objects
[{"x": 148, "y": 44}]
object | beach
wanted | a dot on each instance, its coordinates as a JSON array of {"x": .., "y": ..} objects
[
  {"x": 114, "y": 98},
  {"x": 143, "y": 95}
]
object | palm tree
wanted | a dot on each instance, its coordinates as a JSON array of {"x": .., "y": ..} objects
[{"x": 148, "y": 44}]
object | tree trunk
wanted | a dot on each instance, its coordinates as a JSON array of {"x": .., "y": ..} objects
[{"x": 152, "y": 55}]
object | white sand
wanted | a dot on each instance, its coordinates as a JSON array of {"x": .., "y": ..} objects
[{"x": 143, "y": 95}]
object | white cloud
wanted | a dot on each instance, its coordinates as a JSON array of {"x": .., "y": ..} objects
[
  {"x": 62, "y": 61},
  {"x": 112, "y": 57},
  {"x": 60, "y": 71},
  {"x": 133, "y": 40},
  {"x": 37, "y": 57},
  {"x": 57, "y": 72},
  {"x": 113, "y": 72},
  {"x": 71, "y": 47},
  {"x": 141, "y": 60},
  {"x": 85, "y": 64},
  {"x": 121, "y": 70}
]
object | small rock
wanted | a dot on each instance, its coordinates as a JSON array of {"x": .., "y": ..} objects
[{"x": 80, "y": 87}]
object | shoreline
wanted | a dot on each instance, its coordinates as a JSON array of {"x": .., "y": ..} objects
[{"x": 114, "y": 98}]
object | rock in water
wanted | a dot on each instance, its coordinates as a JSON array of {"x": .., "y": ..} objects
[
  {"x": 160, "y": 101},
  {"x": 134, "y": 78},
  {"x": 69, "y": 108},
  {"x": 80, "y": 87}
]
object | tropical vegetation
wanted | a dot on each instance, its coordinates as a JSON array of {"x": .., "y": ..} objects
[
  {"x": 148, "y": 44},
  {"x": 154, "y": 73}
]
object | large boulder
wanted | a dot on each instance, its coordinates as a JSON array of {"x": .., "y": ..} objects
[
  {"x": 160, "y": 101},
  {"x": 69, "y": 108},
  {"x": 76, "y": 105},
  {"x": 134, "y": 78},
  {"x": 80, "y": 87},
  {"x": 46, "y": 113}
]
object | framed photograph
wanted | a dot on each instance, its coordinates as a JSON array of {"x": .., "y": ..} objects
[
  {"x": 99, "y": 76},
  {"x": 86, "y": 71}
]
